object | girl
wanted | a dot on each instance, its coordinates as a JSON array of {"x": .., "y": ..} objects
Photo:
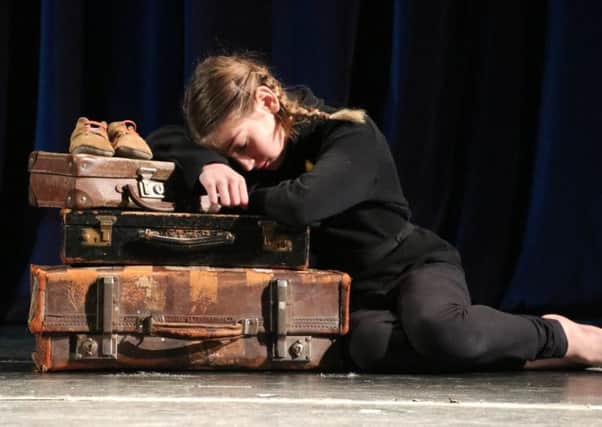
[{"x": 303, "y": 163}]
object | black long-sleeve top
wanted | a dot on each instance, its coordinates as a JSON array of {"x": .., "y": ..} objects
[{"x": 340, "y": 178}]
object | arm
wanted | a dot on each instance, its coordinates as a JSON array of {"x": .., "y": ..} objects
[
  {"x": 344, "y": 175},
  {"x": 199, "y": 166},
  {"x": 172, "y": 143}
]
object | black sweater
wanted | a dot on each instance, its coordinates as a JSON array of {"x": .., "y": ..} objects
[{"x": 340, "y": 178}]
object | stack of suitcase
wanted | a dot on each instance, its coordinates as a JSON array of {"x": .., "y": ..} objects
[{"x": 146, "y": 285}]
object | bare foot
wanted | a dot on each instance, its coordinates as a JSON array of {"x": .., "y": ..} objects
[{"x": 584, "y": 341}]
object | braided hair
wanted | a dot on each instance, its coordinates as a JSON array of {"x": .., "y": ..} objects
[{"x": 224, "y": 86}]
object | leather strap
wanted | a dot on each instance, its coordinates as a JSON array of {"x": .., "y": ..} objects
[{"x": 192, "y": 330}]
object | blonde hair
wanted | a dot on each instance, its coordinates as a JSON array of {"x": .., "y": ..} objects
[{"x": 224, "y": 86}]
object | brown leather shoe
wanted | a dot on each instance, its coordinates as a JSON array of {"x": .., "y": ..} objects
[
  {"x": 90, "y": 137},
  {"x": 127, "y": 142}
]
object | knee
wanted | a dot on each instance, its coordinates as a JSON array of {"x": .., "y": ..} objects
[
  {"x": 453, "y": 339},
  {"x": 368, "y": 339}
]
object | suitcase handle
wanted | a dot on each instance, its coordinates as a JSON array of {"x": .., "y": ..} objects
[
  {"x": 202, "y": 239},
  {"x": 193, "y": 330},
  {"x": 158, "y": 205}
]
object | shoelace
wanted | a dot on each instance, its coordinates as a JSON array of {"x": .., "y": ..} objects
[
  {"x": 96, "y": 127},
  {"x": 129, "y": 127}
]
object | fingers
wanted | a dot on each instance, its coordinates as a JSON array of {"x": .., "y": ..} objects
[
  {"x": 211, "y": 192},
  {"x": 224, "y": 193},
  {"x": 224, "y": 185},
  {"x": 233, "y": 192},
  {"x": 244, "y": 195}
]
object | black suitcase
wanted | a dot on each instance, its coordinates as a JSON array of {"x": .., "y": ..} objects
[{"x": 114, "y": 237}]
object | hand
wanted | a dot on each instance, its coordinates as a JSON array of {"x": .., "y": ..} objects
[{"x": 224, "y": 185}]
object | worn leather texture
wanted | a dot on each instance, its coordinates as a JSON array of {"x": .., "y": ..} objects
[
  {"x": 84, "y": 181},
  {"x": 150, "y": 317}
]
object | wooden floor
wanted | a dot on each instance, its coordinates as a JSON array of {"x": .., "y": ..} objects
[{"x": 197, "y": 398}]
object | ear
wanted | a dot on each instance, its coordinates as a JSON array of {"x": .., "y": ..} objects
[{"x": 266, "y": 98}]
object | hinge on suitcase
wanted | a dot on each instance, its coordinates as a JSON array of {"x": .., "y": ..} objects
[
  {"x": 147, "y": 187},
  {"x": 285, "y": 348},
  {"x": 102, "y": 346}
]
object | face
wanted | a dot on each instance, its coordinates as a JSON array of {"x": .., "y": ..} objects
[{"x": 256, "y": 141}]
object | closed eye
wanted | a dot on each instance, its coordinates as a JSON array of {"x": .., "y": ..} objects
[{"x": 241, "y": 148}]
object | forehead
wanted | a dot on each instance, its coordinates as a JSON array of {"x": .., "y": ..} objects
[{"x": 226, "y": 131}]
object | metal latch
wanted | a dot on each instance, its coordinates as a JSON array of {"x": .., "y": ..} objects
[
  {"x": 272, "y": 240},
  {"x": 104, "y": 345},
  {"x": 279, "y": 316},
  {"x": 250, "y": 326},
  {"x": 147, "y": 187},
  {"x": 106, "y": 227},
  {"x": 91, "y": 237},
  {"x": 285, "y": 348}
]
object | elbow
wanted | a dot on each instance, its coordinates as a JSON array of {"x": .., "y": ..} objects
[
  {"x": 305, "y": 213},
  {"x": 297, "y": 216},
  {"x": 294, "y": 209}
]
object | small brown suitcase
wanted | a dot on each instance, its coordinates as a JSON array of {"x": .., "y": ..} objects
[
  {"x": 187, "y": 318},
  {"x": 83, "y": 181},
  {"x": 112, "y": 237}
]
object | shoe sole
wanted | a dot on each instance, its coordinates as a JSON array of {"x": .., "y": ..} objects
[
  {"x": 86, "y": 149},
  {"x": 132, "y": 154}
]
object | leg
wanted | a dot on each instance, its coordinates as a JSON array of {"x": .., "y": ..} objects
[
  {"x": 376, "y": 343},
  {"x": 441, "y": 324}
]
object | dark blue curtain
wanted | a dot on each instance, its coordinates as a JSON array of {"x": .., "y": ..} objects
[
  {"x": 560, "y": 266},
  {"x": 491, "y": 109}
]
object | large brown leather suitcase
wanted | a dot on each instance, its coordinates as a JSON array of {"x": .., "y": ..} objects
[
  {"x": 83, "y": 181},
  {"x": 144, "y": 317},
  {"x": 112, "y": 237}
]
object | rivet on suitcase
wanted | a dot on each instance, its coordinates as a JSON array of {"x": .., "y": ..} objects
[{"x": 145, "y": 317}]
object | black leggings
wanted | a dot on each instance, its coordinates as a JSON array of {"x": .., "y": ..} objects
[{"x": 432, "y": 326}]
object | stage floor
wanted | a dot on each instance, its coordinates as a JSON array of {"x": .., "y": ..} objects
[{"x": 288, "y": 399}]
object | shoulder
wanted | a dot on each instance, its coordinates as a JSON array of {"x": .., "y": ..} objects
[
  {"x": 304, "y": 96},
  {"x": 168, "y": 135},
  {"x": 327, "y": 134},
  {"x": 347, "y": 144},
  {"x": 338, "y": 131}
]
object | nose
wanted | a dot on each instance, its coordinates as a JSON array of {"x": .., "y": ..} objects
[{"x": 247, "y": 163}]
